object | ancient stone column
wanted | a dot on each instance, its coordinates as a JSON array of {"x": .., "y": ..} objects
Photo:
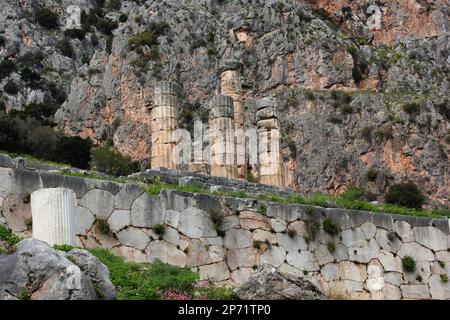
[
  {"x": 53, "y": 212},
  {"x": 163, "y": 124},
  {"x": 230, "y": 82},
  {"x": 269, "y": 151},
  {"x": 222, "y": 146}
]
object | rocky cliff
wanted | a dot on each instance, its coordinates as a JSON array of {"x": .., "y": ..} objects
[{"x": 362, "y": 89}]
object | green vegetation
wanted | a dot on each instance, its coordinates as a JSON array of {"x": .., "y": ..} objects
[
  {"x": 291, "y": 232},
  {"x": 408, "y": 264},
  {"x": 63, "y": 247},
  {"x": 143, "y": 281},
  {"x": 331, "y": 227},
  {"x": 11, "y": 88},
  {"x": 159, "y": 229},
  {"x": 372, "y": 174},
  {"x": 8, "y": 236},
  {"x": 65, "y": 47},
  {"x": 411, "y": 107},
  {"x": 262, "y": 209},
  {"x": 6, "y": 67},
  {"x": 405, "y": 194},
  {"x": 331, "y": 246},
  {"x": 110, "y": 161},
  {"x": 444, "y": 278},
  {"x": 102, "y": 226},
  {"x": 47, "y": 18},
  {"x": 217, "y": 219}
]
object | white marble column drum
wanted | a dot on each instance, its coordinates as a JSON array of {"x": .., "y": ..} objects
[{"x": 53, "y": 212}]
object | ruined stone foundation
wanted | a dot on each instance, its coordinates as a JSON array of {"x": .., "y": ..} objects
[
  {"x": 164, "y": 123},
  {"x": 222, "y": 144}
]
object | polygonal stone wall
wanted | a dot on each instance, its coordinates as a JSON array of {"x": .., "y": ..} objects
[{"x": 362, "y": 261}]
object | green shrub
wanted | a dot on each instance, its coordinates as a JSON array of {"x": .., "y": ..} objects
[
  {"x": 106, "y": 26},
  {"x": 73, "y": 151},
  {"x": 30, "y": 76},
  {"x": 262, "y": 209},
  {"x": 444, "y": 278},
  {"x": 291, "y": 232},
  {"x": 11, "y": 88},
  {"x": 159, "y": 229},
  {"x": 331, "y": 227},
  {"x": 312, "y": 228},
  {"x": 411, "y": 107},
  {"x": 141, "y": 281},
  {"x": 372, "y": 174},
  {"x": 114, "y": 4},
  {"x": 146, "y": 38},
  {"x": 102, "y": 226},
  {"x": 63, "y": 247},
  {"x": 75, "y": 33},
  {"x": 47, "y": 18},
  {"x": 406, "y": 195},
  {"x": 65, "y": 47},
  {"x": 8, "y": 236},
  {"x": 6, "y": 67},
  {"x": 110, "y": 161},
  {"x": 409, "y": 264},
  {"x": 123, "y": 17},
  {"x": 331, "y": 246},
  {"x": 366, "y": 133}
]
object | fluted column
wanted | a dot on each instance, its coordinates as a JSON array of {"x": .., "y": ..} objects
[
  {"x": 230, "y": 83},
  {"x": 269, "y": 152},
  {"x": 53, "y": 212},
  {"x": 222, "y": 146},
  {"x": 164, "y": 122}
]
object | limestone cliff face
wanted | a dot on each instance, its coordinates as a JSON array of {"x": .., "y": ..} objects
[
  {"x": 390, "y": 20},
  {"x": 281, "y": 46}
]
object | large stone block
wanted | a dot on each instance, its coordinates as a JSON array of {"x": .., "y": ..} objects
[
  {"x": 344, "y": 270},
  {"x": 133, "y": 237},
  {"x": 430, "y": 237},
  {"x": 274, "y": 256},
  {"x": 415, "y": 292},
  {"x": 126, "y": 196},
  {"x": 238, "y": 239},
  {"x": 303, "y": 260},
  {"x": 99, "y": 202},
  {"x": 167, "y": 253},
  {"x": 354, "y": 237},
  {"x": 147, "y": 211},
  {"x": 241, "y": 275},
  {"x": 390, "y": 262},
  {"x": 119, "y": 219},
  {"x": 364, "y": 254},
  {"x": 404, "y": 231},
  {"x": 415, "y": 250},
  {"x": 289, "y": 243},
  {"x": 252, "y": 220},
  {"x": 388, "y": 240},
  {"x": 196, "y": 223},
  {"x": 375, "y": 281},
  {"x": 84, "y": 220},
  {"x": 439, "y": 289},
  {"x": 215, "y": 272},
  {"x": 238, "y": 258}
]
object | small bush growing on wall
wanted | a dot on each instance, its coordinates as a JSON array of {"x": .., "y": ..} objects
[
  {"x": 103, "y": 226},
  {"x": 409, "y": 264},
  {"x": 331, "y": 246},
  {"x": 159, "y": 229},
  {"x": 291, "y": 232},
  {"x": 444, "y": 278},
  {"x": 372, "y": 174},
  {"x": 331, "y": 227}
]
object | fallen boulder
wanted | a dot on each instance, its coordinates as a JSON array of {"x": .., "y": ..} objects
[
  {"x": 269, "y": 284},
  {"x": 37, "y": 271}
]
